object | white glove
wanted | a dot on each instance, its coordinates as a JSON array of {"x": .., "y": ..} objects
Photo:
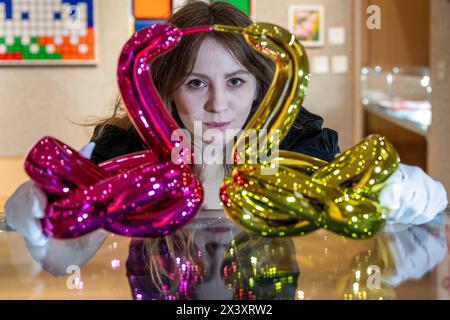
[
  {"x": 412, "y": 196},
  {"x": 26, "y": 206}
]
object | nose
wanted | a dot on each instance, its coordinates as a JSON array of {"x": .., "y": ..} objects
[{"x": 217, "y": 100}]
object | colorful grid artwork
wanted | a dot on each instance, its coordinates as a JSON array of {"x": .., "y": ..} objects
[
  {"x": 145, "y": 13},
  {"x": 47, "y": 31},
  {"x": 139, "y": 24},
  {"x": 151, "y": 10}
]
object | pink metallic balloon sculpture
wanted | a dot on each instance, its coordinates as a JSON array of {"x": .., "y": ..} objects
[{"x": 144, "y": 194}]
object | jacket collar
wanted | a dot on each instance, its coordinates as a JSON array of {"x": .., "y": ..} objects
[{"x": 306, "y": 125}]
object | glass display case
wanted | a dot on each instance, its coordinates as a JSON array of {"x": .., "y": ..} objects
[{"x": 401, "y": 95}]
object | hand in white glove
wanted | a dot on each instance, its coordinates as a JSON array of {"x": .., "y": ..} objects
[
  {"x": 26, "y": 206},
  {"x": 412, "y": 196}
]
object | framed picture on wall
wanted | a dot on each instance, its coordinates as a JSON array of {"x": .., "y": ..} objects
[
  {"x": 48, "y": 32},
  {"x": 307, "y": 22}
]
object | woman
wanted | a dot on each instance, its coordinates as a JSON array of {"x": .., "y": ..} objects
[{"x": 218, "y": 80}]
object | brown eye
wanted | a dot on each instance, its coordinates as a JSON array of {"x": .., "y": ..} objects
[
  {"x": 196, "y": 84},
  {"x": 236, "y": 82}
]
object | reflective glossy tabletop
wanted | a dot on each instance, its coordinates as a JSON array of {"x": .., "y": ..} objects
[{"x": 212, "y": 258}]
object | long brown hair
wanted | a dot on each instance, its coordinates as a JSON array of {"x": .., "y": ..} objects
[{"x": 170, "y": 70}]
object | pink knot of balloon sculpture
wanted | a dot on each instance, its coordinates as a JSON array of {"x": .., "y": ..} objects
[{"x": 144, "y": 194}]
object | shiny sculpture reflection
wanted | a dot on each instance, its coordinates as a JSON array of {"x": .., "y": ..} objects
[
  {"x": 258, "y": 268},
  {"x": 305, "y": 193}
]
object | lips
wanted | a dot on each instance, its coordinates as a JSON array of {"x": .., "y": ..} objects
[{"x": 217, "y": 125}]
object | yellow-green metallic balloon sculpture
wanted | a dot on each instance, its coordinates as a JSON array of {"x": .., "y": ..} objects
[{"x": 305, "y": 193}]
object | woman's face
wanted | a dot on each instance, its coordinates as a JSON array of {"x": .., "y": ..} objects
[{"x": 217, "y": 95}]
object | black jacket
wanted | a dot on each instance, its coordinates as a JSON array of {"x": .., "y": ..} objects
[{"x": 306, "y": 136}]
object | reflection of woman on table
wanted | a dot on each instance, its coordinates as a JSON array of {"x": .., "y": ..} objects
[{"x": 219, "y": 261}]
